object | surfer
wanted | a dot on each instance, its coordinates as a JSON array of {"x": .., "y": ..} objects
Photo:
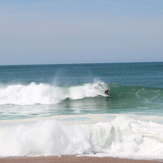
[{"x": 106, "y": 92}]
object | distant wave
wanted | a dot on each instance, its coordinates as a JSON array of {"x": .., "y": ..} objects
[{"x": 33, "y": 93}]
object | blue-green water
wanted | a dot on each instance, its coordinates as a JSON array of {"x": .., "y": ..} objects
[
  {"x": 135, "y": 74},
  {"x": 48, "y": 90},
  {"x": 34, "y": 99}
]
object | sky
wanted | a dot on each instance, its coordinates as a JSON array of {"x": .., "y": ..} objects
[{"x": 80, "y": 31}]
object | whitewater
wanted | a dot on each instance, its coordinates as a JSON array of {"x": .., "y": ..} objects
[
  {"x": 114, "y": 135},
  {"x": 54, "y": 110},
  {"x": 33, "y": 93}
]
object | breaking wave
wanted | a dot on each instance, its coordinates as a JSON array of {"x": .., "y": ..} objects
[
  {"x": 33, "y": 93},
  {"x": 122, "y": 137}
]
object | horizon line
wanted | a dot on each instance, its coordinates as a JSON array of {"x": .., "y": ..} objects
[{"x": 84, "y": 63}]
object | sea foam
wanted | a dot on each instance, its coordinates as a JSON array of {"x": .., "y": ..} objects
[{"x": 120, "y": 137}]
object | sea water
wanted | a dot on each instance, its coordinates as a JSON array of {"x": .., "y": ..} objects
[{"x": 61, "y": 110}]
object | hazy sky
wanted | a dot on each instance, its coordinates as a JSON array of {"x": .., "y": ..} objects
[{"x": 80, "y": 31}]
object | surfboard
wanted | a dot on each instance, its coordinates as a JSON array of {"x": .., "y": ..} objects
[{"x": 106, "y": 95}]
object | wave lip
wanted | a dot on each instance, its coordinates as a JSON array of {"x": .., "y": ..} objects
[{"x": 33, "y": 93}]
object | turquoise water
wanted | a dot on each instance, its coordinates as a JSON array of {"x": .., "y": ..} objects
[{"x": 62, "y": 110}]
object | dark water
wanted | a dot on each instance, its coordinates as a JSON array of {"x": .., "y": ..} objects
[{"x": 136, "y": 74}]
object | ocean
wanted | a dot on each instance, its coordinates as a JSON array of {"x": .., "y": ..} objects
[{"x": 60, "y": 109}]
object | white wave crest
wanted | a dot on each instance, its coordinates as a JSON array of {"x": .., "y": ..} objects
[
  {"x": 121, "y": 137},
  {"x": 47, "y": 94}
]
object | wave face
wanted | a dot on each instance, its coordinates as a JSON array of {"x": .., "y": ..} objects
[
  {"x": 121, "y": 136},
  {"x": 146, "y": 95},
  {"x": 34, "y": 93}
]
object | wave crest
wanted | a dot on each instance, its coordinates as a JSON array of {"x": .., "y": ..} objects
[{"x": 33, "y": 93}]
